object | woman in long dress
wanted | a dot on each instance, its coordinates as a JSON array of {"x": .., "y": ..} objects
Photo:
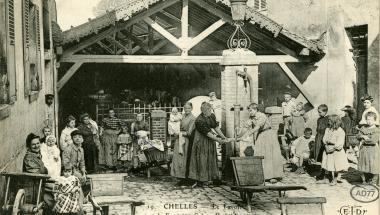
[
  {"x": 110, "y": 130},
  {"x": 203, "y": 162},
  {"x": 180, "y": 152},
  {"x": 136, "y": 127},
  {"x": 89, "y": 147},
  {"x": 264, "y": 141}
]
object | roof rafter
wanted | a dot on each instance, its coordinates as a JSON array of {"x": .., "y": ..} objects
[{"x": 137, "y": 18}]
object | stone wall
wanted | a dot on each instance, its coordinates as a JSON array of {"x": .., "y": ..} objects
[{"x": 328, "y": 18}]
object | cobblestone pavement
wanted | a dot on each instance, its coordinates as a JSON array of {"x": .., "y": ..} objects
[{"x": 161, "y": 196}]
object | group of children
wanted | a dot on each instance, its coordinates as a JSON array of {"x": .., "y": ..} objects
[
  {"x": 67, "y": 194},
  {"x": 336, "y": 137}
]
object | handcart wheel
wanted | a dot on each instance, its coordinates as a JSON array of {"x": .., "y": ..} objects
[{"x": 19, "y": 202}]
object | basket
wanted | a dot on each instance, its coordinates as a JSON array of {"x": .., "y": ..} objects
[
  {"x": 107, "y": 184},
  {"x": 248, "y": 170}
]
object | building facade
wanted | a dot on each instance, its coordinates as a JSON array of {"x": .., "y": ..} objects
[{"x": 27, "y": 71}]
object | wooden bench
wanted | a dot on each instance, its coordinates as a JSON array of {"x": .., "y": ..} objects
[
  {"x": 302, "y": 205},
  {"x": 102, "y": 204}
]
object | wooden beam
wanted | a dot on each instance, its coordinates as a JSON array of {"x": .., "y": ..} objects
[
  {"x": 296, "y": 82},
  {"x": 105, "y": 47},
  {"x": 118, "y": 44},
  {"x": 164, "y": 32},
  {"x": 185, "y": 26},
  {"x": 269, "y": 41},
  {"x": 205, "y": 33},
  {"x": 137, "y": 18},
  {"x": 168, "y": 59},
  {"x": 68, "y": 75},
  {"x": 159, "y": 45},
  {"x": 185, "y": 19},
  {"x": 141, "y": 59}
]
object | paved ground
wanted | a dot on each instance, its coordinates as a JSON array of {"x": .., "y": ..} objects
[{"x": 161, "y": 196}]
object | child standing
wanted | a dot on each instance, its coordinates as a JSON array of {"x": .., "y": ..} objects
[
  {"x": 334, "y": 158},
  {"x": 300, "y": 149},
  {"x": 298, "y": 120},
  {"x": 288, "y": 106},
  {"x": 125, "y": 151},
  {"x": 68, "y": 194},
  {"x": 51, "y": 156},
  {"x": 369, "y": 150},
  {"x": 322, "y": 123}
]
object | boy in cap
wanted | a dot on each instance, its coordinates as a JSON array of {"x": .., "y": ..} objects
[{"x": 74, "y": 156}]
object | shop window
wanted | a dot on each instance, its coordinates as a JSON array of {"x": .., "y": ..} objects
[
  {"x": 32, "y": 49},
  {"x": 7, "y": 57}
]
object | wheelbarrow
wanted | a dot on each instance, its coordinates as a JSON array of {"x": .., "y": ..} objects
[{"x": 249, "y": 176}]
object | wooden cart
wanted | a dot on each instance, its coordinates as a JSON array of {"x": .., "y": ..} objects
[
  {"x": 23, "y": 193},
  {"x": 107, "y": 190},
  {"x": 249, "y": 176}
]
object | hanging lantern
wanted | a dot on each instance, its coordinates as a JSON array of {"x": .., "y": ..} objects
[{"x": 238, "y": 8}]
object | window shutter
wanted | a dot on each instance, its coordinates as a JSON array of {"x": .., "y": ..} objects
[
  {"x": 26, "y": 21},
  {"x": 256, "y": 5},
  {"x": 38, "y": 29},
  {"x": 263, "y": 4},
  {"x": 11, "y": 22},
  {"x": 26, "y": 43}
]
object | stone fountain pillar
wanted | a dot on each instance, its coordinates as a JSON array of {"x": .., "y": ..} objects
[{"x": 236, "y": 95}]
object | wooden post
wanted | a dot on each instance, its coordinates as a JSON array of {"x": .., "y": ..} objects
[
  {"x": 185, "y": 25},
  {"x": 68, "y": 75},
  {"x": 296, "y": 82}
]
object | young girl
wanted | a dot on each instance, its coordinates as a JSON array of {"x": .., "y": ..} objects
[
  {"x": 298, "y": 121},
  {"x": 67, "y": 197},
  {"x": 334, "y": 159},
  {"x": 51, "y": 156},
  {"x": 125, "y": 152},
  {"x": 369, "y": 150},
  {"x": 174, "y": 122}
]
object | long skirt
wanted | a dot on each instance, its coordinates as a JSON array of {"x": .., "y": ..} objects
[
  {"x": 203, "y": 162},
  {"x": 109, "y": 147},
  {"x": 318, "y": 147},
  {"x": 90, "y": 156},
  {"x": 267, "y": 145},
  {"x": 178, "y": 167},
  {"x": 335, "y": 162},
  {"x": 369, "y": 159}
]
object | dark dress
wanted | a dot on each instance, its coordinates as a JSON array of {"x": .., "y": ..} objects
[
  {"x": 179, "y": 162},
  {"x": 89, "y": 148},
  {"x": 348, "y": 125},
  {"x": 203, "y": 162},
  {"x": 322, "y": 124},
  {"x": 32, "y": 163}
]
